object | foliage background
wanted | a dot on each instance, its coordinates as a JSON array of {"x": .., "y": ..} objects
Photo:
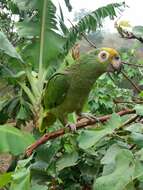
[{"x": 106, "y": 156}]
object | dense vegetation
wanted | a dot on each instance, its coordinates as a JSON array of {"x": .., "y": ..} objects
[{"x": 108, "y": 155}]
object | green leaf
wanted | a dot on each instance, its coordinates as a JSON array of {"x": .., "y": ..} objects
[
  {"x": 67, "y": 2},
  {"x": 139, "y": 109},
  {"x": 136, "y": 127},
  {"x": 67, "y": 160},
  {"x": 21, "y": 176},
  {"x": 38, "y": 187},
  {"x": 50, "y": 54},
  {"x": 138, "y": 172},
  {"x": 136, "y": 138},
  {"x": 47, "y": 44},
  {"x": 21, "y": 180},
  {"x": 121, "y": 176},
  {"x": 88, "y": 138},
  {"x": 138, "y": 30},
  {"x": 22, "y": 114},
  {"x": 140, "y": 154},
  {"x": 5, "y": 179},
  {"x": 110, "y": 155},
  {"x": 13, "y": 140},
  {"x": 48, "y": 151},
  {"x": 7, "y": 47}
]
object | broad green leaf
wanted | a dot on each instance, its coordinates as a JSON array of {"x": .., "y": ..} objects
[
  {"x": 48, "y": 44},
  {"x": 121, "y": 176},
  {"x": 21, "y": 180},
  {"x": 13, "y": 140},
  {"x": 67, "y": 160},
  {"x": 38, "y": 187},
  {"x": 110, "y": 155},
  {"x": 21, "y": 176},
  {"x": 140, "y": 154},
  {"x": 88, "y": 138},
  {"x": 5, "y": 179},
  {"x": 48, "y": 151},
  {"x": 135, "y": 127},
  {"x": 31, "y": 51},
  {"x": 138, "y": 172},
  {"x": 136, "y": 135},
  {"x": 7, "y": 47},
  {"x": 139, "y": 109},
  {"x": 136, "y": 138},
  {"x": 27, "y": 29}
]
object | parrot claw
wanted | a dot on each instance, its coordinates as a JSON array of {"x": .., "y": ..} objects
[
  {"x": 87, "y": 116},
  {"x": 71, "y": 126}
]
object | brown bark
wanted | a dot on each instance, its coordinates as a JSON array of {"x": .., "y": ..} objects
[{"x": 79, "y": 125}]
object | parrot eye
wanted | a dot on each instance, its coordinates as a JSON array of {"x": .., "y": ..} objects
[{"x": 103, "y": 56}]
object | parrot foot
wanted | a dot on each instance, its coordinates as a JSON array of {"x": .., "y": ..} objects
[
  {"x": 71, "y": 126},
  {"x": 87, "y": 116}
]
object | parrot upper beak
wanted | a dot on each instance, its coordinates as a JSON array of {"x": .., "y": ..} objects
[{"x": 115, "y": 65}]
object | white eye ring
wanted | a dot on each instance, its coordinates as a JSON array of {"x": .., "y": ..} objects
[{"x": 103, "y": 56}]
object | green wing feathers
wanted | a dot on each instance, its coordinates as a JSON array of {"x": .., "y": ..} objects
[
  {"x": 56, "y": 90},
  {"x": 55, "y": 93}
]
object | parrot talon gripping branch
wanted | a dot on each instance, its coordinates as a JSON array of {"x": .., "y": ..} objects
[{"x": 71, "y": 126}]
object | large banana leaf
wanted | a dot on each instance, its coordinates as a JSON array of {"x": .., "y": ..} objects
[
  {"x": 46, "y": 44},
  {"x": 13, "y": 140}
]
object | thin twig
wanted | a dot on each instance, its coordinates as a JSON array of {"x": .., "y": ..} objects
[
  {"x": 128, "y": 102},
  {"x": 133, "y": 65},
  {"x": 133, "y": 84},
  {"x": 128, "y": 35},
  {"x": 130, "y": 120},
  {"x": 83, "y": 35},
  {"x": 61, "y": 132},
  {"x": 90, "y": 42}
]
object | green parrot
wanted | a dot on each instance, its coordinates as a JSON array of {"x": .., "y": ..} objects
[{"x": 67, "y": 91}]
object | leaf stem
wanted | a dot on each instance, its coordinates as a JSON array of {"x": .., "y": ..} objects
[{"x": 43, "y": 25}]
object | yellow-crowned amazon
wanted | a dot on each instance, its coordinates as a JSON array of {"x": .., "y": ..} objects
[{"x": 67, "y": 91}]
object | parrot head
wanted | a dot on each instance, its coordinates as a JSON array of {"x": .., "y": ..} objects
[{"x": 110, "y": 57}]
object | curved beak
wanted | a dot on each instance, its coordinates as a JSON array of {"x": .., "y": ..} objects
[{"x": 115, "y": 65}]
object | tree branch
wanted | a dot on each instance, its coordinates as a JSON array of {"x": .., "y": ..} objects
[
  {"x": 128, "y": 35},
  {"x": 48, "y": 136},
  {"x": 116, "y": 101},
  {"x": 133, "y": 65},
  {"x": 133, "y": 84}
]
